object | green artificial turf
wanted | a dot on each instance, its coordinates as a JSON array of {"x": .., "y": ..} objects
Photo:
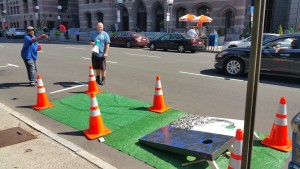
[{"x": 129, "y": 120}]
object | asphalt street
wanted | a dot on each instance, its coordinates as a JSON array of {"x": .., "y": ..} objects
[{"x": 189, "y": 80}]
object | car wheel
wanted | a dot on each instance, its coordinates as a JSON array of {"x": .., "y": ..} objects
[
  {"x": 234, "y": 67},
  {"x": 128, "y": 44},
  {"x": 193, "y": 51},
  {"x": 181, "y": 49},
  {"x": 152, "y": 46}
]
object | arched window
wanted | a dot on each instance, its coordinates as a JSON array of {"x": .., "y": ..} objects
[
  {"x": 142, "y": 18},
  {"x": 229, "y": 19},
  {"x": 88, "y": 17},
  {"x": 99, "y": 16},
  {"x": 203, "y": 10},
  {"x": 179, "y": 13}
]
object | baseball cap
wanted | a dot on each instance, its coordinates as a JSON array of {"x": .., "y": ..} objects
[{"x": 29, "y": 28}]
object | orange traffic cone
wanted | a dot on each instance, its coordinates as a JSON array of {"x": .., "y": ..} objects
[
  {"x": 42, "y": 98},
  {"x": 158, "y": 101},
  {"x": 92, "y": 83},
  {"x": 96, "y": 125},
  {"x": 236, "y": 154},
  {"x": 278, "y": 139}
]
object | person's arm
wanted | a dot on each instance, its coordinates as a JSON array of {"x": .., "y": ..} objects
[
  {"x": 92, "y": 41},
  {"x": 281, "y": 48},
  {"x": 106, "y": 50},
  {"x": 43, "y": 36}
]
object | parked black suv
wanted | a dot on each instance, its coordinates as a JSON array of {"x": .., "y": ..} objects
[{"x": 283, "y": 62}]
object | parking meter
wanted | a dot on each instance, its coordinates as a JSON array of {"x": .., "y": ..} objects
[{"x": 295, "y": 163}]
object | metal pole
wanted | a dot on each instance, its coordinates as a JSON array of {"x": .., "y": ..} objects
[
  {"x": 171, "y": 18},
  {"x": 298, "y": 17},
  {"x": 168, "y": 22},
  {"x": 253, "y": 78}
]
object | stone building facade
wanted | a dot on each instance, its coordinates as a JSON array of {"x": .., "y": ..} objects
[
  {"x": 150, "y": 15},
  {"x": 39, "y": 13},
  {"x": 232, "y": 17}
]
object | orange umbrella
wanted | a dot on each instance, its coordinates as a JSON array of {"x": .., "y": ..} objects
[
  {"x": 202, "y": 18},
  {"x": 187, "y": 17}
]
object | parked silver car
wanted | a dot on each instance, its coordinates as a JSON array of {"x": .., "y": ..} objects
[
  {"x": 16, "y": 33},
  {"x": 247, "y": 42}
]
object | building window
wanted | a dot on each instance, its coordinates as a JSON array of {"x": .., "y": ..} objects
[
  {"x": 179, "y": 13},
  {"x": 64, "y": 5},
  {"x": 99, "y": 17},
  {"x": 87, "y": 2},
  {"x": 88, "y": 17},
  {"x": 25, "y": 6},
  {"x": 229, "y": 19}
]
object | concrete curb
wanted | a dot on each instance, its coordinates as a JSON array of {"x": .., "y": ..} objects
[{"x": 76, "y": 149}]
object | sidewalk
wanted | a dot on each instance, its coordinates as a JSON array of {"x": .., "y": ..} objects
[{"x": 47, "y": 150}]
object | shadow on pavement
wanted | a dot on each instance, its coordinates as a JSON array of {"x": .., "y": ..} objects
[
  {"x": 69, "y": 84},
  {"x": 72, "y": 133},
  {"x": 11, "y": 85}
]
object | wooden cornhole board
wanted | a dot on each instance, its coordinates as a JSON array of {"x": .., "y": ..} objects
[{"x": 203, "y": 137}]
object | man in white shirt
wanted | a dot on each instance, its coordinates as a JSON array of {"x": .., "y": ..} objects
[{"x": 193, "y": 33}]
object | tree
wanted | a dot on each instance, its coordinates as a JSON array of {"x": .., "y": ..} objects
[{"x": 280, "y": 32}]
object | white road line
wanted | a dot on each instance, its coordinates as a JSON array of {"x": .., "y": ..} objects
[
  {"x": 7, "y": 65},
  {"x": 1, "y": 46},
  {"x": 82, "y": 84},
  {"x": 75, "y": 48},
  {"x": 111, "y": 61},
  {"x": 134, "y": 54},
  {"x": 225, "y": 78},
  {"x": 131, "y": 54},
  {"x": 106, "y": 61}
]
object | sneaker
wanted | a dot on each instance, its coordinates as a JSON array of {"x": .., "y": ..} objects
[
  {"x": 98, "y": 80},
  {"x": 103, "y": 81}
]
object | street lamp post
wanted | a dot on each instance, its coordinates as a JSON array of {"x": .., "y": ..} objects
[
  {"x": 37, "y": 12},
  {"x": 120, "y": 2},
  {"x": 59, "y": 7},
  {"x": 170, "y": 3}
]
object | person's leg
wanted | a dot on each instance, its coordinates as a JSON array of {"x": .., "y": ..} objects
[
  {"x": 96, "y": 67},
  {"x": 31, "y": 71},
  {"x": 103, "y": 70}
]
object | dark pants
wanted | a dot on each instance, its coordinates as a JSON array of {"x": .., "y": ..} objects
[
  {"x": 77, "y": 37},
  {"x": 31, "y": 67}
]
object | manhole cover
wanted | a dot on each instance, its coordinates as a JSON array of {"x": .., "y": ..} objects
[{"x": 13, "y": 136}]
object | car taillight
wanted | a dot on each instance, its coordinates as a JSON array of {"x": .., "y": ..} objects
[{"x": 193, "y": 41}]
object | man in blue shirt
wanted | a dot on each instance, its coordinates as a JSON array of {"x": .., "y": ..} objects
[
  {"x": 29, "y": 53},
  {"x": 99, "y": 58}
]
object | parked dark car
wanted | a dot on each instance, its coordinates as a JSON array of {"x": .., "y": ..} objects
[
  {"x": 177, "y": 41},
  {"x": 129, "y": 39},
  {"x": 286, "y": 62}
]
